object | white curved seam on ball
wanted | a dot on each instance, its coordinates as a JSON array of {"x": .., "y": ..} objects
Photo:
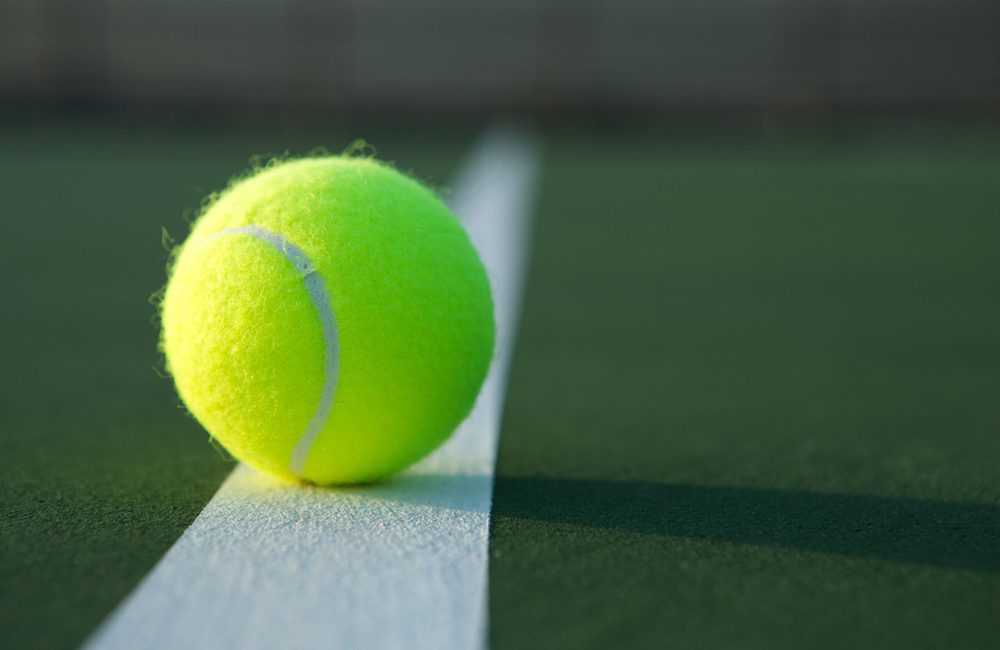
[{"x": 320, "y": 297}]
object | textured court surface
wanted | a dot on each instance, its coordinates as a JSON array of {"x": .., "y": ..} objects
[{"x": 754, "y": 404}]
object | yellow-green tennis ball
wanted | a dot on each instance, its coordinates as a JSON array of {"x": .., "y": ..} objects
[{"x": 328, "y": 319}]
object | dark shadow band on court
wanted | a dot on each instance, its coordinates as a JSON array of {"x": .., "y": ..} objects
[{"x": 934, "y": 533}]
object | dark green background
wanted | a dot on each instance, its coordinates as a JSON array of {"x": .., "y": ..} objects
[{"x": 755, "y": 401}]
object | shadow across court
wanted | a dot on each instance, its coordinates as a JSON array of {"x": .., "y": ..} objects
[{"x": 935, "y": 533}]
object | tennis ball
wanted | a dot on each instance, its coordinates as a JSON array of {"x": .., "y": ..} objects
[{"x": 327, "y": 319}]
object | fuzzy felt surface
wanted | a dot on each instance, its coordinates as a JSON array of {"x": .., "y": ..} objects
[{"x": 411, "y": 300}]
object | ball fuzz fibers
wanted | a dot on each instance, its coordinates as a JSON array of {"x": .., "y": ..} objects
[{"x": 328, "y": 319}]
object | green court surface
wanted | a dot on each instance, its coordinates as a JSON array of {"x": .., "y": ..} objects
[{"x": 755, "y": 401}]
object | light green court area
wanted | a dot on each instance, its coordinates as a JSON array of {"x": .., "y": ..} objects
[{"x": 754, "y": 402}]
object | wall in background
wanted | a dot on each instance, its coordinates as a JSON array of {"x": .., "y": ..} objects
[{"x": 474, "y": 54}]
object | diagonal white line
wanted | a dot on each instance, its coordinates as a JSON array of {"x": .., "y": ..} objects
[{"x": 397, "y": 565}]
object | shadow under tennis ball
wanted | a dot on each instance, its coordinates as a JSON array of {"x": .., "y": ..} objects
[
  {"x": 933, "y": 533},
  {"x": 413, "y": 488}
]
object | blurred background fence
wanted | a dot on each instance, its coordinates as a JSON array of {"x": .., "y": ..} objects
[{"x": 520, "y": 54}]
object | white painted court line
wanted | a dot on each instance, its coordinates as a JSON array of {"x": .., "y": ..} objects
[{"x": 398, "y": 565}]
